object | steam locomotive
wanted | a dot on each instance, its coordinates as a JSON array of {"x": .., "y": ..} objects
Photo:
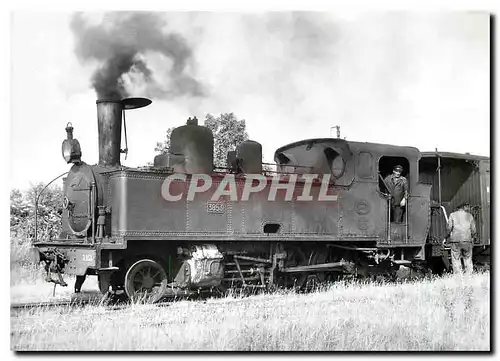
[{"x": 182, "y": 226}]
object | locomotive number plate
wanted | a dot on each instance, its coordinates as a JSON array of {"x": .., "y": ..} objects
[
  {"x": 79, "y": 260},
  {"x": 216, "y": 207},
  {"x": 88, "y": 257}
]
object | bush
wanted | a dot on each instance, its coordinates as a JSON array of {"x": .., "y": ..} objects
[{"x": 22, "y": 219}]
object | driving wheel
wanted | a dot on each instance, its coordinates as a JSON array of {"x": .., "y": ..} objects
[{"x": 143, "y": 281}]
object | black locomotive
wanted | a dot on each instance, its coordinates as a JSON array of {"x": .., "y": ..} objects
[{"x": 183, "y": 226}]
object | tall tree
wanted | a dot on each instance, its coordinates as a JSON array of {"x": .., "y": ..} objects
[
  {"x": 162, "y": 147},
  {"x": 228, "y": 133}
]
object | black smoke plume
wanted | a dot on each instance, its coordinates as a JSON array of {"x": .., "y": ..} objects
[{"x": 120, "y": 45}]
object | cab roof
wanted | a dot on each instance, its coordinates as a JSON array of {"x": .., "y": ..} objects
[{"x": 464, "y": 156}]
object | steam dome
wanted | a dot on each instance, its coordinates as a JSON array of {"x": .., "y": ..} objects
[{"x": 194, "y": 147}]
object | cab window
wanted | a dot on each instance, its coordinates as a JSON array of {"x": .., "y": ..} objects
[
  {"x": 335, "y": 162},
  {"x": 385, "y": 169}
]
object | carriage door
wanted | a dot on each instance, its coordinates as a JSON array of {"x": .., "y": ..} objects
[{"x": 392, "y": 186}]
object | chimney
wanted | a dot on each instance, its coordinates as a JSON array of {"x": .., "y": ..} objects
[{"x": 109, "y": 128}]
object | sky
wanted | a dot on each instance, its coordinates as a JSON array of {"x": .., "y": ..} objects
[{"x": 405, "y": 78}]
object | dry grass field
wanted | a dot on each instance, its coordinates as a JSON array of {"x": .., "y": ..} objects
[{"x": 450, "y": 313}]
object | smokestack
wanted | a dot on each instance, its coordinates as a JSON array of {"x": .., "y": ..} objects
[{"x": 109, "y": 128}]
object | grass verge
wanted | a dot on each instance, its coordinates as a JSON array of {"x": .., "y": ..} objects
[{"x": 450, "y": 313}]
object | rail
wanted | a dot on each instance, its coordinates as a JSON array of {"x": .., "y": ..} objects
[
  {"x": 45, "y": 304},
  {"x": 109, "y": 303}
]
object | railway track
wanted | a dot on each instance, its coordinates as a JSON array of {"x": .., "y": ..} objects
[
  {"x": 108, "y": 303},
  {"x": 76, "y": 301},
  {"x": 47, "y": 304}
]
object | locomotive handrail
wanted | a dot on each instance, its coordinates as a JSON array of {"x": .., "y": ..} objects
[
  {"x": 446, "y": 218},
  {"x": 385, "y": 184},
  {"x": 444, "y": 212},
  {"x": 407, "y": 206},
  {"x": 389, "y": 219},
  {"x": 389, "y": 196},
  {"x": 92, "y": 212},
  {"x": 38, "y": 198}
]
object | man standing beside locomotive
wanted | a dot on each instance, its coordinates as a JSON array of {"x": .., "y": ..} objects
[
  {"x": 397, "y": 185},
  {"x": 462, "y": 228}
]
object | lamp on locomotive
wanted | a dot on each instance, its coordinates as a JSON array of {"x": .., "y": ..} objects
[{"x": 71, "y": 151}]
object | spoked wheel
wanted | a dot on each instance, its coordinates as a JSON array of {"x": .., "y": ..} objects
[{"x": 143, "y": 281}]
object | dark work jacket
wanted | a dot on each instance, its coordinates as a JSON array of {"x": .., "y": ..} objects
[{"x": 398, "y": 187}]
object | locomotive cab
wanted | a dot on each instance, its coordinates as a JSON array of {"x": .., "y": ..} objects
[{"x": 357, "y": 172}]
